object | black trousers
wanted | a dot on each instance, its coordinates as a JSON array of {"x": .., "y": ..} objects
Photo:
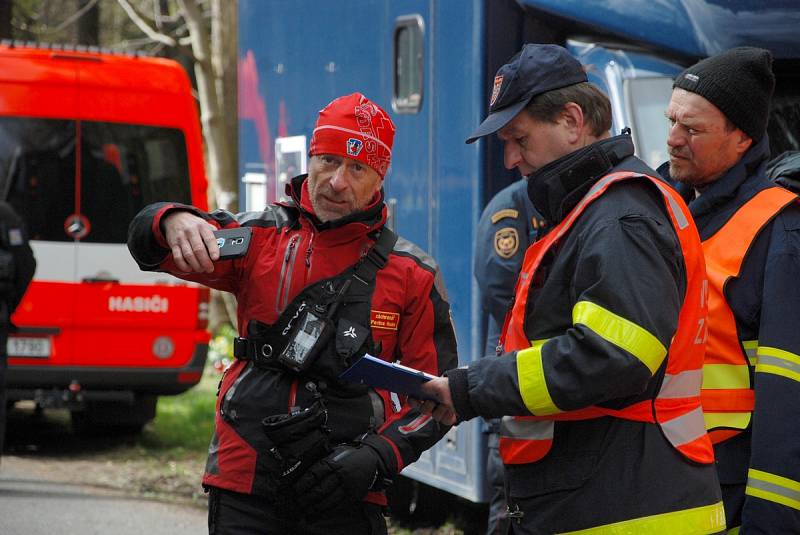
[
  {"x": 498, "y": 523},
  {"x": 232, "y": 513}
]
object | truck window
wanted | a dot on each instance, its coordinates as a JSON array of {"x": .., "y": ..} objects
[
  {"x": 408, "y": 68},
  {"x": 123, "y": 168},
  {"x": 648, "y": 98},
  {"x": 37, "y": 173},
  {"x": 290, "y": 161}
]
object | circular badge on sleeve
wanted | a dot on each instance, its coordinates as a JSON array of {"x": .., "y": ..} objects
[{"x": 506, "y": 242}]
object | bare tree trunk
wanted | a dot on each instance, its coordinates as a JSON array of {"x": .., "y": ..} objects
[
  {"x": 210, "y": 111},
  {"x": 6, "y": 9},
  {"x": 213, "y": 51},
  {"x": 208, "y": 49},
  {"x": 229, "y": 52},
  {"x": 225, "y": 54},
  {"x": 224, "y": 51},
  {"x": 87, "y": 27}
]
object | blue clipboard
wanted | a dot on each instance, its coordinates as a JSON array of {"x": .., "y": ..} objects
[{"x": 377, "y": 373}]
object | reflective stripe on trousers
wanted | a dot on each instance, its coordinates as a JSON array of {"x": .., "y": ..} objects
[{"x": 696, "y": 521}]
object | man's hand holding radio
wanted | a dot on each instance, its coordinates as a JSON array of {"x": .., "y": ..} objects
[{"x": 192, "y": 242}]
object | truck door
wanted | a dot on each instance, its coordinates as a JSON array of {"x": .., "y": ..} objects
[
  {"x": 410, "y": 187},
  {"x": 124, "y": 167},
  {"x": 432, "y": 186}
]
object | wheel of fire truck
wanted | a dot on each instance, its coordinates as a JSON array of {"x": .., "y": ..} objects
[{"x": 114, "y": 416}]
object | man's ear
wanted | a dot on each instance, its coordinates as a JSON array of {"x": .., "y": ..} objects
[
  {"x": 572, "y": 119},
  {"x": 378, "y": 186},
  {"x": 743, "y": 142}
]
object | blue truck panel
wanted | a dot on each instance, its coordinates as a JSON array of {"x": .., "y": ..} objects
[
  {"x": 692, "y": 28},
  {"x": 455, "y": 99}
]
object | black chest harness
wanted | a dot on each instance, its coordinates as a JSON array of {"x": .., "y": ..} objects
[{"x": 330, "y": 317}]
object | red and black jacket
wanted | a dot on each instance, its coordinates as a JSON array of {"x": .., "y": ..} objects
[{"x": 290, "y": 249}]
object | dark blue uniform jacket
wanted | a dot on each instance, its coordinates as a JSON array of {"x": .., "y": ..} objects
[
  {"x": 508, "y": 225},
  {"x": 765, "y": 301}
]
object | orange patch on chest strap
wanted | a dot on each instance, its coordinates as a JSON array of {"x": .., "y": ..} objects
[{"x": 384, "y": 320}]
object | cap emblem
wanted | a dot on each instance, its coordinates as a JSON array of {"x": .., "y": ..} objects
[
  {"x": 498, "y": 83},
  {"x": 354, "y": 146}
]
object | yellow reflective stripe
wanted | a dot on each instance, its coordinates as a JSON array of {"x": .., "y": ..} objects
[
  {"x": 773, "y": 488},
  {"x": 734, "y": 420},
  {"x": 532, "y": 386},
  {"x": 778, "y": 362},
  {"x": 697, "y": 521},
  {"x": 621, "y": 332},
  {"x": 716, "y": 376},
  {"x": 734, "y": 531},
  {"x": 750, "y": 349}
]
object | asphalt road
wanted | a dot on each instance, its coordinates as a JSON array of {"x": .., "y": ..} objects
[
  {"x": 53, "y": 481},
  {"x": 33, "y": 505}
]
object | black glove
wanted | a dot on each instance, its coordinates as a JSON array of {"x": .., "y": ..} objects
[
  {"x": 299, "y": 440},
  {"x": 344, "y": 476}
]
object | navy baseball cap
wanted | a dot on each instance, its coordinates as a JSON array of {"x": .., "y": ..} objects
[{"x": 534, "y": 70}]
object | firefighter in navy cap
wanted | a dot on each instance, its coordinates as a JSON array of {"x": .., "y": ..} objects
[
  {"x": 323, "y": 282},
  {"x": 598, "y": 380}
]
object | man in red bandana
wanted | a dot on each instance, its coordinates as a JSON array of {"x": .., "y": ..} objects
[{"x": 295, "y": 449}]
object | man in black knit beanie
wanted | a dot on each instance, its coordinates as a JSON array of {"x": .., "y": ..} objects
[
  {"x": 739, "y": 82},
  {"x": 750, "y": 229}
]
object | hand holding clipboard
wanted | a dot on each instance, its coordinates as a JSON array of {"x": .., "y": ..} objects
[
  {"x": 391, "y": 376},
  {"x": 426, "y": 392}
]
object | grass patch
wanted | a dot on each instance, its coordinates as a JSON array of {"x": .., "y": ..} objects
[{"x": 186, "y": 421}]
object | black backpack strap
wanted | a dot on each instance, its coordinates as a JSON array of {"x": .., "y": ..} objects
[
  {"x": 375, "y": 259},
  {"x": 263, "y": 350}
]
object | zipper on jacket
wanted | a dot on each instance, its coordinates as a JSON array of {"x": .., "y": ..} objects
[
  {"x": 309, "y": 250},
  {"x": 284, "y": 284}
]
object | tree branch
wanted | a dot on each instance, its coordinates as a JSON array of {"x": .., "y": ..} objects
[
  {"x": 142, "y": 24},
  {"x": 75, "y": 16}
]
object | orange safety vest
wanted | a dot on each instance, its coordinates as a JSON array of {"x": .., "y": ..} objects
[
  {"x": 727, "y": 395},
  {"x": 676, "y": 409}
]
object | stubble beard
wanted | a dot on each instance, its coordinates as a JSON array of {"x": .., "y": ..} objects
[{"x": 322, "y": 213}]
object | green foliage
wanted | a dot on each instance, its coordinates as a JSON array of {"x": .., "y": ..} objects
[
  {"x": 220, "y": 348},
  {"x": 184, "y": 422}
]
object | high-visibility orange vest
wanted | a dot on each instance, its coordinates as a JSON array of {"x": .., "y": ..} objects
[
  {"x": 727, "y": 395},
  {"x": 676, "y": 409}
]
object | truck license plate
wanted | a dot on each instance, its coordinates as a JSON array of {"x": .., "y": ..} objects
[{"x": 28, "y": 347}]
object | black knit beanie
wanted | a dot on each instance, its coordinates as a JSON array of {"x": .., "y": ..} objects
[{"x": 739, "y": 82}]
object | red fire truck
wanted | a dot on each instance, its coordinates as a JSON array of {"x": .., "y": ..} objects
[{"x": 87, "y": 138}]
